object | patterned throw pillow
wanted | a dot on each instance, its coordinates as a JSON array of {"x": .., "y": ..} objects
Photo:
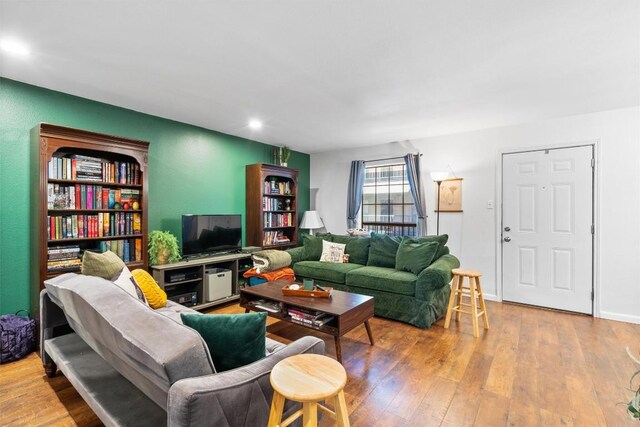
[
  {"x": 124, "y": 280},
  {"x": 332, "y": 252},
  {"x": 106, "y": 265},
  {"x": 156, "y": 297}
]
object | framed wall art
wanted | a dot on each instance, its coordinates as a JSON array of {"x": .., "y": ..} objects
[{"x": 450, "y": 195}]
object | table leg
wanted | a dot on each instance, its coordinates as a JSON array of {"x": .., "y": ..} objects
[
  {"x": 366, "y": 325},
  {"x": 338, "y": 348},
  {"x": 246, "y": 310}
]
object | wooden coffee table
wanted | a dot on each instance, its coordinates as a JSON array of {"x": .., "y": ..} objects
[{"x": 349, "y": 310}]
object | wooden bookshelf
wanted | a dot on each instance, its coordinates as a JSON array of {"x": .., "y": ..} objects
[
  {"x": 55, "y": 142},
  {"x": 271, "y": 206}
]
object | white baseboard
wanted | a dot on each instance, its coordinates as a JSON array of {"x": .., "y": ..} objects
[
  {"x": 491, "y": 297},
  {"x": 620, "y": 317}
]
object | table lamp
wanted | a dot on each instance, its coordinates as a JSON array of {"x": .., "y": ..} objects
[{"x": 311, "y": 220}]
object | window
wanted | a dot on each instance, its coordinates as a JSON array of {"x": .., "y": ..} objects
[{"x": 387, "y": 205}]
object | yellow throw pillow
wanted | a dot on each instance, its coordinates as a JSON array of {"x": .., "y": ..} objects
[{"x": 156, "y": 297}]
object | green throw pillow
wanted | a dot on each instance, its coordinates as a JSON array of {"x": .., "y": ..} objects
[
  {"x": 313, "y": 246},
  {"x": 414, "y": 256},
  {"x": 442, "y": 242},
  {"x": 357, "y": 248},
  {"x": 233, "y": 340},
  {"x": 106, "y": 265},
  {"x": 382, "y": 252}
]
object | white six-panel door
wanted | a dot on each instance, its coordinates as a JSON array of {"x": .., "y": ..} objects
[{"x": 547, "y": 217}]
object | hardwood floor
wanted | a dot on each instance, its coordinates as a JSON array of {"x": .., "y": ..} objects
[{"x": 532, "y": 368}]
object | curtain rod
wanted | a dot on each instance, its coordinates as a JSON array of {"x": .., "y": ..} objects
[{"x": 389, "y": 158}]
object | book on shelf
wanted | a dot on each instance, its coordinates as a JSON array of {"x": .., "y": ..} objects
[
  {"x": 275, "y": 238},
  {"x": 102, "y": 224},
  {"x": 87, "y": 168},
  {"x": 272, "y": 219},
  {"x": 319, "y": 319},
  {"x": 270, "y": 306},
  {"x": 83, "y": 196}
]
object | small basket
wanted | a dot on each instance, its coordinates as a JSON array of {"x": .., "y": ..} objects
[{"x": 17, "y": 336}]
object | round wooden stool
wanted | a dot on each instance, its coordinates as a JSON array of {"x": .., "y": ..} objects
[
  {"x": 473, "y": 291},
  {"x": 309, "y": 379}
]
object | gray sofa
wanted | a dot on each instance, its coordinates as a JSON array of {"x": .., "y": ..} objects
[{"x": 138, "y": 366}]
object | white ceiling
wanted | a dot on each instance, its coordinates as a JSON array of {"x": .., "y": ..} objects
[{"x": 326, "y": 74}]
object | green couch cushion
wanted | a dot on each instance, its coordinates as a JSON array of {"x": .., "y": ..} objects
[
  {"x": 357, "y": 247},
  {"x": 326, "y": 271},
  {"x": 442, "y": 240},
  {"x": 414, "y": 256},
  {"x": 233, "y": 340},
  {"x": 383, "y": 279},
  {"x": 313, "y": 245},
  {"x": 382, "y": 252}
]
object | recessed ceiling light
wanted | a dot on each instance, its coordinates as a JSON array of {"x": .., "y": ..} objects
[
  {"x": 14, "y": 47},
  {"x": 255, "y": 124}
]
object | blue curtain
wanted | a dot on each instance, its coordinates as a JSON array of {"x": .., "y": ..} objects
[
  {"x": 354, "y": 195},
  {"x": 412, "y": 162}
]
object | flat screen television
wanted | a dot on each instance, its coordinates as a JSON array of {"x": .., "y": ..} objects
[{"x": 210, "y": 234}]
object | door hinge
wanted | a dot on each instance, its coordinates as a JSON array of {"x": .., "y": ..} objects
[
  {"x": 593, "y": 230},
  {"x": 593, "y": 163},
  {"x": 591, "y": 295}
]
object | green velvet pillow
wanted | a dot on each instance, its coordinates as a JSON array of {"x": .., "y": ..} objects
[
  {"x": 357, "y": 248},
  {"x": 442, "y": 242},
  {"x": 233, "y": 340},
  {"x": 382, "y": 252},
  {"x": 414, "y": 256},
  {"x": 106, "y": 265},
  {"x": 313, "y": 245}
]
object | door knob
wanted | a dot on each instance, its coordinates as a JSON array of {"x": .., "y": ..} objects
[
  {"x": 507, "y": 229},
  {"x": 507, "y": 239}
]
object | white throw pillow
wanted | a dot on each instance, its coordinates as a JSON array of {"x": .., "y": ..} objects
[
  {"x": 332, "y": 252},
  {"x": 124, "y": 280}
]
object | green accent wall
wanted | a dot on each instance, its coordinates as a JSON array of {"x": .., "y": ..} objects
[{"x": 191, "y": 170}]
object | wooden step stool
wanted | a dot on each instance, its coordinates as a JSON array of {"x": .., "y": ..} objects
[
  {"x": 473, "y": 291},
  {"x": 309, "y": 379}
]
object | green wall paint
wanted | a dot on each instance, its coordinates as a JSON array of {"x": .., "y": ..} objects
[{"x": 191, "y": 169}]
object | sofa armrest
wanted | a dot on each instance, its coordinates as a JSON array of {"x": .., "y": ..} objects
[
  {"x": 297, "y": 254},
  {"x": 436, "y": 276},
  {"x": 240, "y": 397}
]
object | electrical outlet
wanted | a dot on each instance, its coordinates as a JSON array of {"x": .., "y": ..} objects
[{"x": 489, "y": 204}]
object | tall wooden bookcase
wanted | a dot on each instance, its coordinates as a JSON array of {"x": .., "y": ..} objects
[
  {"x": 272, "y": 206},
  {"x": 50, "y": 209}
]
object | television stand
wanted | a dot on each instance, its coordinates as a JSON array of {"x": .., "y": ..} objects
[{"x": 184, "y": 281}]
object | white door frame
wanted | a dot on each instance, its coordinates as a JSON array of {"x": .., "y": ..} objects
[{"x": 596, "y": 212}]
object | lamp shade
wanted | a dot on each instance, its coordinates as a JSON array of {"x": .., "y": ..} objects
[
  {"x": 439, "y": 175},
  {"x": 311, "y": 220}
]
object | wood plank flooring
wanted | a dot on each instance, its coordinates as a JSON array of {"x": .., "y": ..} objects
[{"x": 532, "y": 368}]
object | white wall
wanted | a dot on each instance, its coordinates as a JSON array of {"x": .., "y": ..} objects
[{"x": 473, "y": 156}]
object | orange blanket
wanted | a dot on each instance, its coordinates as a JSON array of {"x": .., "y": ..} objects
[{"x": 271, "y": 276}]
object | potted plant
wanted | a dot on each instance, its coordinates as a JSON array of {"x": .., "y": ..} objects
[
  {"x": 163, "y": 248},
  {"x": 285, "y": 153}
]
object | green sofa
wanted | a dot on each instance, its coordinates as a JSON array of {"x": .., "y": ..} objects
[{"x": 407, "y": 277}]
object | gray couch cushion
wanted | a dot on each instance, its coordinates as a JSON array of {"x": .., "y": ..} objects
[
  {"x": 383, "y": 279},
  {"x": 328, "y": 271},
  {"x": 172, "y": 310},
  {"x": 146, "y": 347}
]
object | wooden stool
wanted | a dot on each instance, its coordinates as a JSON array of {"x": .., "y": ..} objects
[
  {"x": 474, "y": 291},
  {"x": 308, "y": 378}
]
